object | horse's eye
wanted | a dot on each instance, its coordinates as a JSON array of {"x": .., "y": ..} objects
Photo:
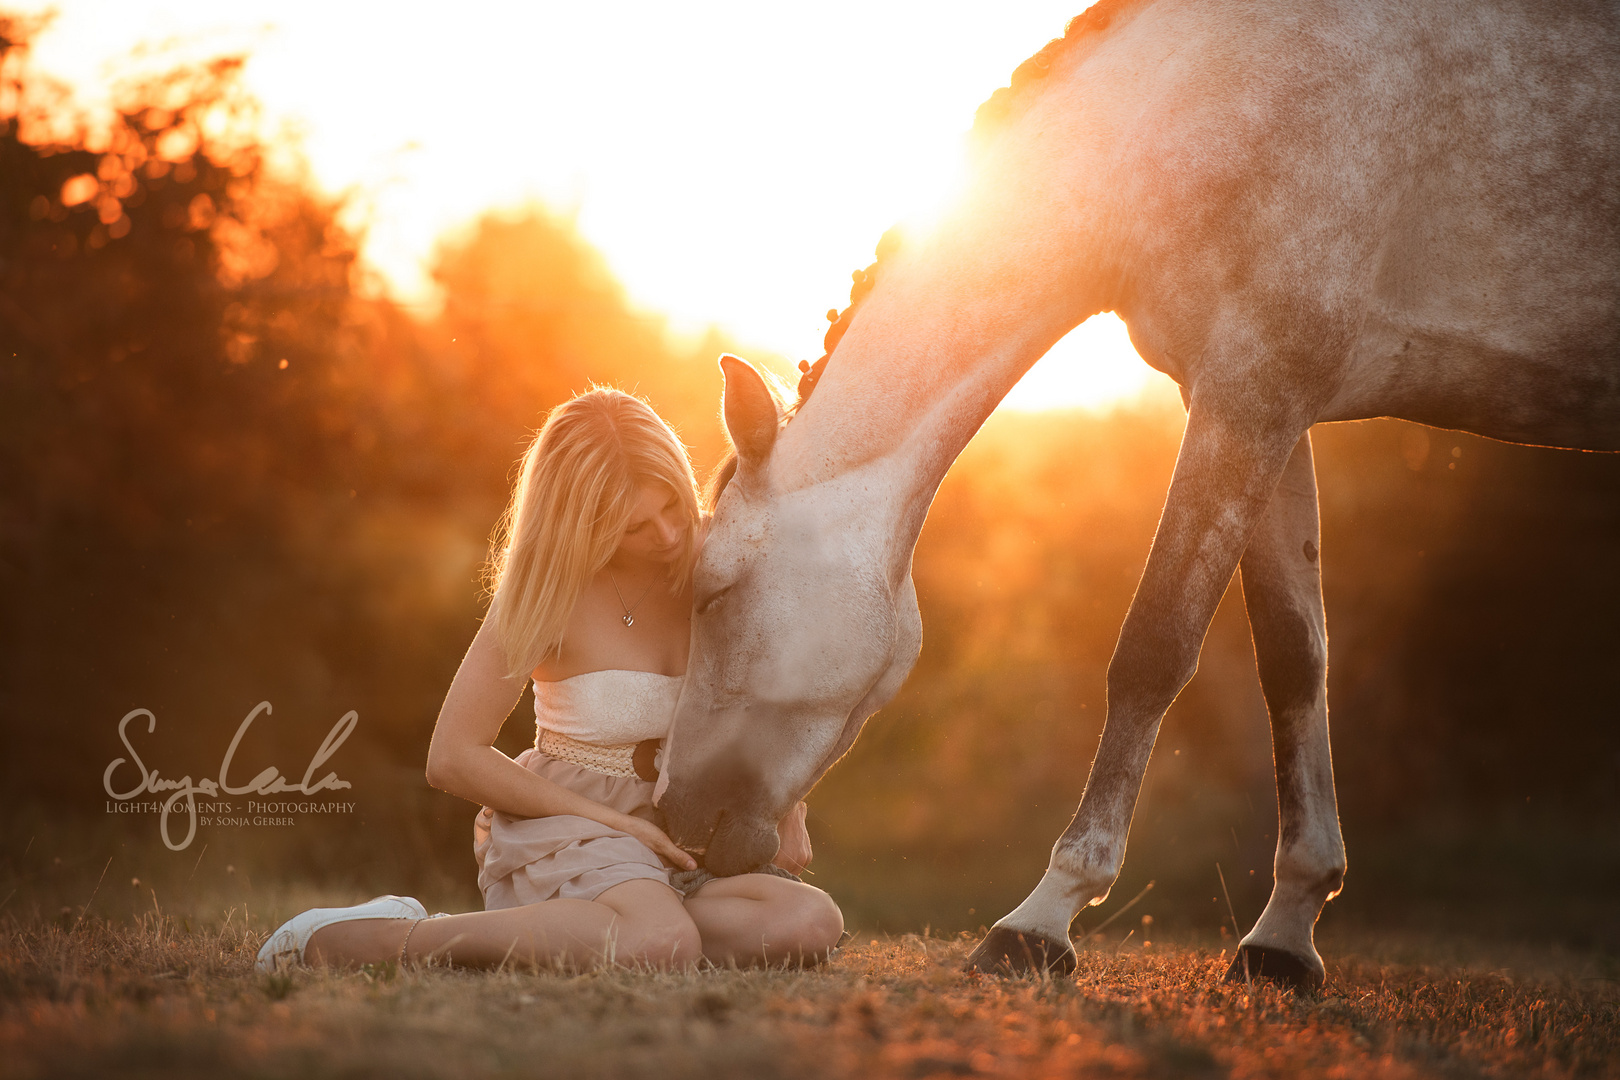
[{"x": 712, "y": 601}]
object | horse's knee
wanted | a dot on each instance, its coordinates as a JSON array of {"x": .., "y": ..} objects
[{"x": 1142, "y": 681}]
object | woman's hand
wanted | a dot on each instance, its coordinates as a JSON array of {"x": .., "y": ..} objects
[
  {"x": 655, "y": 839},
  {"x": 794, "y": 854}
]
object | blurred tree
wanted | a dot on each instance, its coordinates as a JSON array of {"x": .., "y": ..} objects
[
  {"x": 163, "y": 303},
  {"x": 532, "y": 314},
  {"x": 184, "y": 400}
]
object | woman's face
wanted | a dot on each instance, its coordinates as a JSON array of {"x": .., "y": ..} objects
[{"x": 657, "y": 526}]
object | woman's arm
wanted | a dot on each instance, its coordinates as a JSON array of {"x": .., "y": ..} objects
[
  {"x": 794, "y": 853},
  {"x": 463, "y": 761}
]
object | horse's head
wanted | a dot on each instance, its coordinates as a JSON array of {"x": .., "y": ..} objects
[{"x": 806, "y": 623}]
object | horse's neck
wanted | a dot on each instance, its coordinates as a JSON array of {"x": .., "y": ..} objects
[
  {"x": 1038, "y": 243},
  {"x": 907, "y": 418},
  {"x": 905, "y": 411},
  {"x": 910, "y": 384},
  {"x": 1033, "y": 248},
  {"x": 932, "y": 352}
]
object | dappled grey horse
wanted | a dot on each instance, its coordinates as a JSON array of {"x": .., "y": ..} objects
[{"x": 1304, "y": 212}]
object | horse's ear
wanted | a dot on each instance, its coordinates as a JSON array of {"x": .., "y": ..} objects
[{"x": 752, "y": 414}]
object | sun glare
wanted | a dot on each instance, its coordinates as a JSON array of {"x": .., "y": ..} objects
[
  {"x": 733, "y": 161},
  {"x": 1092, "y": 367}
]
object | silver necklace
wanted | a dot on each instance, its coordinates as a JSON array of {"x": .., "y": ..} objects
[{"x": 629, "y": 610}]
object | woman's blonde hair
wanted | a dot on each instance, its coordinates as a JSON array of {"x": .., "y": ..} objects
[{"x": 576, "y": 489}]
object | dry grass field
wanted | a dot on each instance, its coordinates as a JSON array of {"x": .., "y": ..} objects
[{"x": 158, "y": 996}]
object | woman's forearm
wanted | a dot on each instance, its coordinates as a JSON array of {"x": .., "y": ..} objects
[
  {"x": 484, "y": 775},
  {"x": 462, "y": 758}
]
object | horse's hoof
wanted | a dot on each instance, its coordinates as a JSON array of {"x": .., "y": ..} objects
[
  {"x": 1281, "y": 967},
  {"x": 1020, "y": 952}
]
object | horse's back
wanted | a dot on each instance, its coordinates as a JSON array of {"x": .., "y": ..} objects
[
  {"x": 1425, "y": 195},
  {"x": 1492, "y": 301}
]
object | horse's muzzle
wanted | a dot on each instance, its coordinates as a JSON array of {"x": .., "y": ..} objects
[
  {"x": 740, "y": 845},
  {"x": 725, "y": 841}
]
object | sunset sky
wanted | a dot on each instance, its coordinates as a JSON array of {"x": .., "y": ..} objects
[{"x": 734, "y": 161}]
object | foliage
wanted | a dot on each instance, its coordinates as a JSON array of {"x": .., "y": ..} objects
[{"x": 165, "y": 301}]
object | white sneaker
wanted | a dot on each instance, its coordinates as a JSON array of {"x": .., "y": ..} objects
[{"x": 287, "y": 944}]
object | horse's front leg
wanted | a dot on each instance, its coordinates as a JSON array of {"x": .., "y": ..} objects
[
  {"x": 1282, "y": 587},
  {"x": 1226, "y": 472}
]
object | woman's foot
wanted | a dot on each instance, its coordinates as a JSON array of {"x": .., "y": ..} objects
[
  {"x": 368, "y": 941},
  {"x": 287, "y": 945}
]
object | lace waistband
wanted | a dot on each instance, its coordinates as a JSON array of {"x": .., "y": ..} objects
[{"x": 638, "y": 760}]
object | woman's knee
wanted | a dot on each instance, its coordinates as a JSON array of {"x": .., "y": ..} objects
[
  {"x": 807, "y": 918},
  {"x": 825, "y": 920},
  {"x": 662, "y": 942},
  {"x": 650, "y": 926}
]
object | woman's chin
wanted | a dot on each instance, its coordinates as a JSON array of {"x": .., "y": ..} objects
[{"x": 667, "y": 558}]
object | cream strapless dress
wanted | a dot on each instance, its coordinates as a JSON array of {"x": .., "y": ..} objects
[{"x": 527, "y": 860}]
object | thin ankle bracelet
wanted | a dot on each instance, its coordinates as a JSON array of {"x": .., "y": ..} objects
[{"x": 406, "y": 943}]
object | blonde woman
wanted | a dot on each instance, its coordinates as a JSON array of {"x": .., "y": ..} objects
[{"x": 592, "y": 601}]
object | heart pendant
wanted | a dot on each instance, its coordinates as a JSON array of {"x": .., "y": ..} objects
[{"x": 629, "y": 620}]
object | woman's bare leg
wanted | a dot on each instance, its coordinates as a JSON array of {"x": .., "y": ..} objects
[
  {"x": 637, "y": 922},
  {"x": 761, "y": 919}
]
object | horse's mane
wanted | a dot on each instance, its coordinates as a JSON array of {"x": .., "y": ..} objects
[
  {"x": 993, "y": 114},
  {"x": 990, "y": 117}
]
